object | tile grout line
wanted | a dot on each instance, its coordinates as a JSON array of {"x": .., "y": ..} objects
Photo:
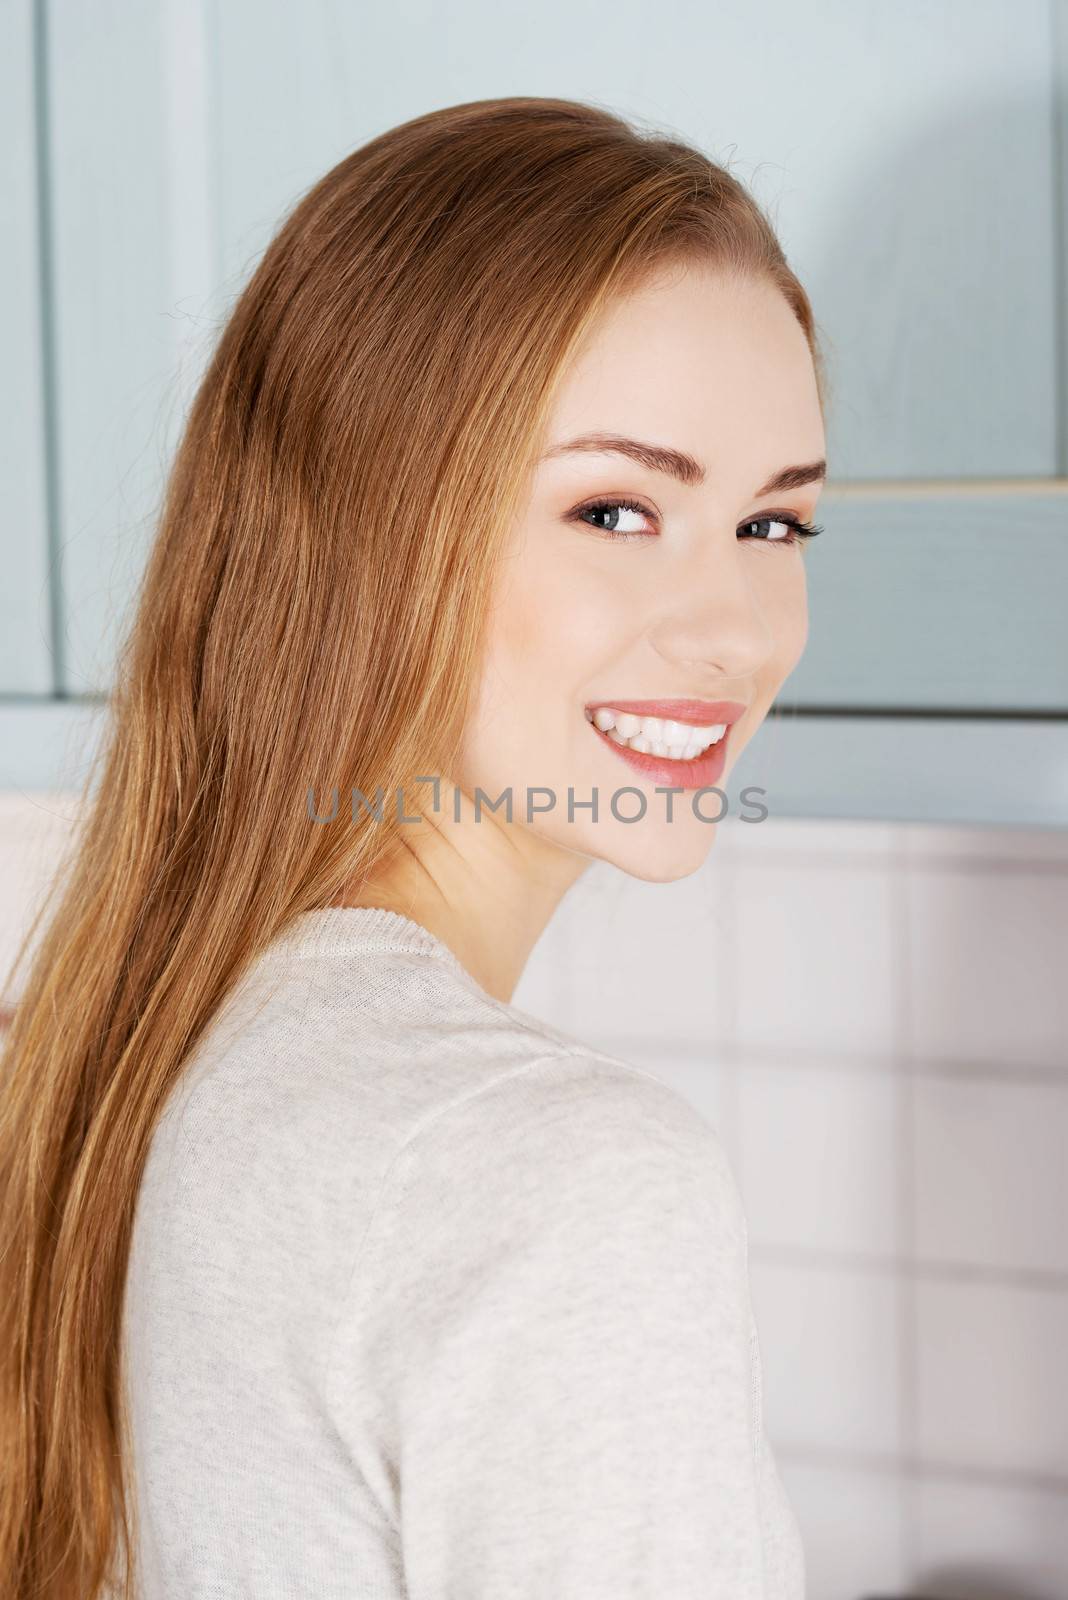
[
  {"x": 728, "y": 1032},
  {"x": 829, "y": 1458},
  {"x": 776, "y": 1057},
  {"x": 908, "y": 1327},
  {"x": 818, "y": 1259}
]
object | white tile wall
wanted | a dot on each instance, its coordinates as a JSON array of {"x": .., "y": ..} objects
[
  {"x": 638, "y": 961},
  {"x": 34, "y": 831},
  {"x": 875, "y": 1019},
  {"x": 986, "y": 946},
  {"x": 830, "y": 1339},
  {"x": 990, "y": 1388},
  {"x": 853, "y": 1524},
  {"x": 988, "y": 1539},
  {"x": 818, "y": 1155},
  {"x": 991, "y": 1173},
  {"x": 815, "y": 952}
]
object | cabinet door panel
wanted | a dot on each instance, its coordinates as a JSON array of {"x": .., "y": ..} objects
[
  {"x": 955, "y": 601},
  {"x": 905, "y": 153},
  {"x": 26, "y": 665},
  {"x": 132, "y": 284}
]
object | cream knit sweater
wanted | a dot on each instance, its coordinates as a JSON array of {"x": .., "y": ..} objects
[{"x": 426, "y": 1299}]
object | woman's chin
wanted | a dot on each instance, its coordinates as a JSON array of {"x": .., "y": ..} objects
[{"x": 660, "y": 853}]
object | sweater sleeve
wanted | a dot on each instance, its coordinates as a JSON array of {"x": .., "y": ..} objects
[{"x": 545, "y": 1367}]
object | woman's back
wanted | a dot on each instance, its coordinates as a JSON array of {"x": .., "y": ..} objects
[{"x": 427, "y": 1299}]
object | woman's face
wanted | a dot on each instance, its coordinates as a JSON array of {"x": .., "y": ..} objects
[{"x": 703, "y": 600}]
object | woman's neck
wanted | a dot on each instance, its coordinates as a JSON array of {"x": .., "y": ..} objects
[{"x": 487, "y": 889}]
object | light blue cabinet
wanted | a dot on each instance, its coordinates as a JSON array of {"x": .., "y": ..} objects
[
  {"x": 26, "y": 613},
  {"x": 128, "y": 279},
  {"x": 944, "y": 598},
  {"x": 914, "y": 159}
]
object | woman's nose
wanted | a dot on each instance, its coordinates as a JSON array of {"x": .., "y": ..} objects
[{"x": 713, "y": 617}]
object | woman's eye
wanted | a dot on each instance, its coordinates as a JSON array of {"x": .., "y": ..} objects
[
  {"x": 796, "y": 531},
  {"x": 618, "y": 519}
]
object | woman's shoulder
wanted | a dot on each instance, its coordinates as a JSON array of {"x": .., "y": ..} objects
[
  {"x": 337, "y": 1091},
  {"x": 386, "y": 1043},
  {"x": 573, "y": 1121}
]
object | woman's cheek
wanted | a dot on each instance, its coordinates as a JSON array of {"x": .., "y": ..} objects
[{"x": 567, "y": 621}]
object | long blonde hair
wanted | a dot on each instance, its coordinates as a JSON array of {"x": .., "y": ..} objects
[{"x": 310, "y": 616}]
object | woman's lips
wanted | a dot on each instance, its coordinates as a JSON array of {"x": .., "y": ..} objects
[
  {"x": 701, "y": 712},
  {"x": 702, "y": 772}
]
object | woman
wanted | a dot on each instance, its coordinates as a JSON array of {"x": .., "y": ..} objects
[{"x": 329, "y": 1271}]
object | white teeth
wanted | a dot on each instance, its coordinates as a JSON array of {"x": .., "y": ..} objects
[{"x": 658, "y": 736}]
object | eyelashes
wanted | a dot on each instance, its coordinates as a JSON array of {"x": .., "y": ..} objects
[{"x": 799, "y": 531}]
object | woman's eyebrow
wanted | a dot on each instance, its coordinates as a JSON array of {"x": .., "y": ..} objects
[{"x": 677, "y": 464}]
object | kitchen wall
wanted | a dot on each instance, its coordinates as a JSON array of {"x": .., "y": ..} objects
[{"x": 875, "y": 1018}]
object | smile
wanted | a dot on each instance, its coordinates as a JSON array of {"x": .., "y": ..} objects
[
  {"x": 657, "y": 736},
  {"x": 678, "y": 743}
]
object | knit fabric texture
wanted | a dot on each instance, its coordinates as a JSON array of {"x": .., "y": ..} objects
[{"x": 427, "y": 1299}]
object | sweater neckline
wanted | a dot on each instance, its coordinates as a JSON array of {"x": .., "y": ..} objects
[
  {"x": 329, "y": 930},
  {"x": 345, "y": 930}
]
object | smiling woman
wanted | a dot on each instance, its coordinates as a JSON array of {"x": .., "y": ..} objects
[{"x": 327, "y": 1270}]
